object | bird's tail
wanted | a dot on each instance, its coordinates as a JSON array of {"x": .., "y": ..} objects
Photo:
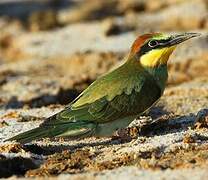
[{"x": 69, "y": 130}]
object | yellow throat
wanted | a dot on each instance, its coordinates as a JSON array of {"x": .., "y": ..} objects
[{"x": 156, "y": 57}]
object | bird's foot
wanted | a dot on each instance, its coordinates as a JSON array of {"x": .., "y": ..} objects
[{"x": 126, "y": 134}]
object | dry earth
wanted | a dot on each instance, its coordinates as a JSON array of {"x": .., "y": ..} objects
[{"x": 48, "y": 57}]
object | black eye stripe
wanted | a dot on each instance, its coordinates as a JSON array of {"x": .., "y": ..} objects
[
  {"x": 153, "y": 43},
  {"x": 146, "y": 48}
]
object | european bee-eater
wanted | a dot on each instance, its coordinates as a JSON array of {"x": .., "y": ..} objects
[{"x": 115, "y": 99}]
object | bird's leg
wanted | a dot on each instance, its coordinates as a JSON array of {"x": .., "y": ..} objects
[
  {"x": 116, "y": 128},
  {"x": 126, "y": 134},
  {"x": 122, "y": 135}
]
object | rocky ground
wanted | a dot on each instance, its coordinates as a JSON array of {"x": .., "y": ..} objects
[{"x": 50, "y": 52}]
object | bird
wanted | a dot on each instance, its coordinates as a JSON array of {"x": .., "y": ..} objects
[{"x": 116, "y": 98}]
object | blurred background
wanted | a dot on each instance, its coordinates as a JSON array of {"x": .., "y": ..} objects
[{"x": 50, "y": 50}]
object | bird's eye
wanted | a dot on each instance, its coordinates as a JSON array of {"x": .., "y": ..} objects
[{"x": 153, "y": 43}]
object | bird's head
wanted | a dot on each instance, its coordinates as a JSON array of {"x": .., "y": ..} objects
[{"x": 153, "y": 50}]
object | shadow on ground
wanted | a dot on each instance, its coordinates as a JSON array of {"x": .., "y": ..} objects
[
  {"x": 78, "y": 157},
  {"x": 165, "y": 123}
]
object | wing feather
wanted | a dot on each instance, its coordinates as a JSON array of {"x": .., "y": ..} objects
[{"x": 108, "y": 98}]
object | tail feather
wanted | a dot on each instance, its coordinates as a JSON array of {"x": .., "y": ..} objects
[{"x": 71, "y": 130}]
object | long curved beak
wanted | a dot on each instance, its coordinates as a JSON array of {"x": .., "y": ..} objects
[{"x": 179, "y": 38}]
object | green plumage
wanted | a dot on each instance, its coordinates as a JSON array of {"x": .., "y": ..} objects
[
  {"x": 117, "y": 98},
  {"x": 110, "y": 103}
]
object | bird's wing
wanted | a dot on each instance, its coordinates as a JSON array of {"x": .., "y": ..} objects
[{"x": 104, "y": 100}]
